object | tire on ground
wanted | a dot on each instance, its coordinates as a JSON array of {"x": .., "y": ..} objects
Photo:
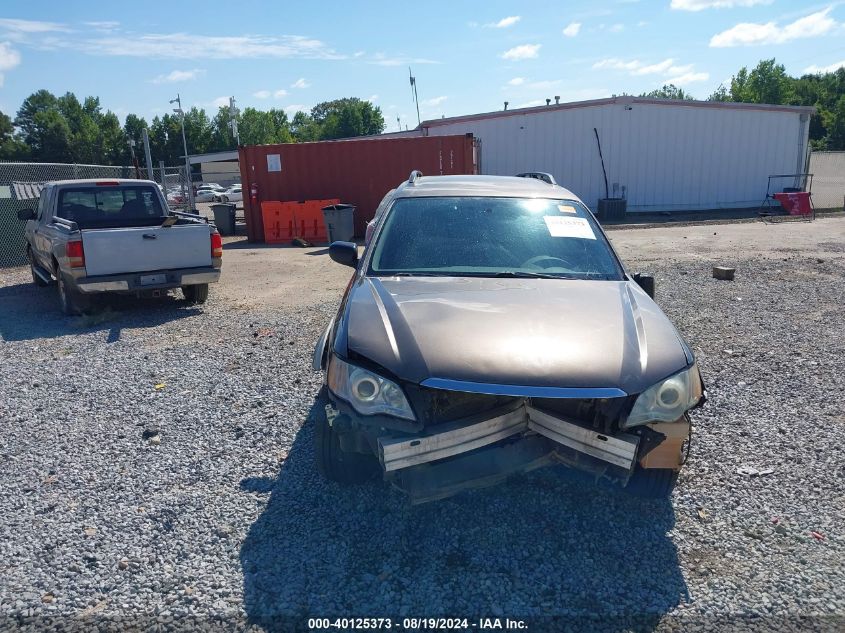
[
  {"x": 335, "y": 464},
  {"x": 197, "y": 293},
  {"x": 652, "y": 483},
  {"x": 71, "y": 301}
]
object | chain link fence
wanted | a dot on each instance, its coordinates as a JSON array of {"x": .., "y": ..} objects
[
  {"x": 828, "y": 169},
  {"x": 21, "y": 184}
]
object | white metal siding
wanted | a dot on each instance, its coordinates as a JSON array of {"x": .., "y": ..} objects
[{"x": 669, "y": 157}]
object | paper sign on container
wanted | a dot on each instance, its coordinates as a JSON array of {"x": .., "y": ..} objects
[
  {"x": 274, "y": 162},
  {"x": 560, "y": 226}
]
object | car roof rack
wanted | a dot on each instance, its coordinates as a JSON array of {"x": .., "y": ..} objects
[
  {"x": 538, "y": 175},
  {"x": 414, "y": 175}
]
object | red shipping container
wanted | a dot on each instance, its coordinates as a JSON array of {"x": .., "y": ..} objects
[{"x": 355, "y": 171}]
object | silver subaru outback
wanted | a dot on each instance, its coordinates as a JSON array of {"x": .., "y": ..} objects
[{"x": 489, "y": 328}]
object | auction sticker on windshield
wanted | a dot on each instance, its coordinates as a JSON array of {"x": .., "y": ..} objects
[
  {"x": 560, "y": 226},
  {"x": 566, "y": 208}
]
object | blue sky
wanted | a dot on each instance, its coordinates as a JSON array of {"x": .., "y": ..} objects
[{"x": 467, "y": 56}]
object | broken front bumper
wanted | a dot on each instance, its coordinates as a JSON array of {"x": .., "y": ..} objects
[{"x": 487, "y": 448}]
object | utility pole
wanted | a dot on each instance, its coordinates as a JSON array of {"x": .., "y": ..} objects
[
  {"x": 190, "y": 189},
  {"x": 414, "y": 92},
  {"x": 233, "y": 121},
  {"x": 134, "y": 159},
  {"x": 149, "y": 156}
]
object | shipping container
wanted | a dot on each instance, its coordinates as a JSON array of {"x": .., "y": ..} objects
[{"x": 356, "y": 171}]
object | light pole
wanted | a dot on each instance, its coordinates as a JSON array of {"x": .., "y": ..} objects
[{"x": 178, "y": 110}]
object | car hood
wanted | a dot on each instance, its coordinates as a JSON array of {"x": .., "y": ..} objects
[{"x": 528, "y": 332}]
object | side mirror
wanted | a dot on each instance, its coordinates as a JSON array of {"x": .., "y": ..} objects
[
  {"x": 646, "y": 282},
  {"x": 345, "y": 253},
  {"x": 26, "y": 214}
]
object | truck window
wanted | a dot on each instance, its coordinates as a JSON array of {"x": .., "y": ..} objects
[{"x": 110, "y": 207}]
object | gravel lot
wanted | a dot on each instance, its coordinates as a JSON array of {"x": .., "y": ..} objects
[{"x": 156, "y": 464}]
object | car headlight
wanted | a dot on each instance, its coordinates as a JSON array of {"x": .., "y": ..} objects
[
  {"x": 368, "y": 393},
  {"x": 668, "y": 400}
]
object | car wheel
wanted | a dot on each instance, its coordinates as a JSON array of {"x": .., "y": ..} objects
[
  {"x": 335, "y": 464},
  {"x": 652, "y": 483},
  {"x": 71, "y": 301},
  {"x": 197, "y": 293}
]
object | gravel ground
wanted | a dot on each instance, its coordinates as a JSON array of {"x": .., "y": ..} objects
[{"x": 157, "y": 465}]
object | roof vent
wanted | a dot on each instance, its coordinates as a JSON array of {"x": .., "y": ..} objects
[
  {"x": 557, "y": 100},
  {"x": 414, "y": 175},
  {"x": 506, "y": 105},
  {"x": 548, "y": 101}
]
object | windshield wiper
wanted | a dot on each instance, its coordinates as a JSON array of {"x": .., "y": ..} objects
[
  {"x": 407, "y": 274},
  {"x": 526, "y": 275}
]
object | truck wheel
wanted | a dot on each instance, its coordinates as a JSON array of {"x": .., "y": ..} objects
[
  {"x": 195, "y": 294},
  {"x": 335, "y": 464},
  {"x": 71, "y": 301},
  {"x": 652, "y": 483}
]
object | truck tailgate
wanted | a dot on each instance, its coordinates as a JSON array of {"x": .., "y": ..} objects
[{"x": 131, "y": 250}]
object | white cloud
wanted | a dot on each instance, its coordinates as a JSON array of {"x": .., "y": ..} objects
[
  {"x": 617, "y": 64},
  {"x": 687, "y": 78},
  {"x": 504, "y": 22},
  {"x": 177, "y": 76},
  {"x": 9, "y": 59},
  {"x": 701, "y": 5},
  {"x": 372, "y": 98},
  {"x": 103, "y": 25},
  {"x": 752, "y": 34},
  {"x": 524, "y": 51},
  {"x": 186, "y": 46},
  {"x": 359, "y": 54},
  {"x": 812, "y": 70},
  {"x": 616, "y": 28},
  {"x": 517, "y": 81},
  {"x": 672, "y": 73},
  {"x": 436, "y": 101},
  {"x": 380, "y": 59},
  {"x": 296, "y": 107},
  {"x": 572, "y": 29},
  {"x": 300, "y": 83},
  {"x": 15, "y": 28},
  {"x": 654, "y": 69},
  {"x": 220, "y": 102},
  {"x": 266, "y": 94}
]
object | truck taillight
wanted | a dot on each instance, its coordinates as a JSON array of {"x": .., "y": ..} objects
[
  {"x": 216, "y": 245},
  {"x": 75, "y": 254}
]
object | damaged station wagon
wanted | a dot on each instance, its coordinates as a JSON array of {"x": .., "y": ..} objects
[{"x": 490, "y": 329}]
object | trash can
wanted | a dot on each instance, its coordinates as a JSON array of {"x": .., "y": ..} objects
[
  {"x": 340, "y": 222},
  {"x": 224, "y": 217}
]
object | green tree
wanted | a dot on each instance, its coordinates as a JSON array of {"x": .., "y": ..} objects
[
  {"x": 669, "y": 91},
  {"x": 720, "y": 94},
  {"x": 133, "y": 128},
  {"x": 344, "y": 118},
  {"x": 303, "y": 128},
  {"x": 834, "y": 122}
]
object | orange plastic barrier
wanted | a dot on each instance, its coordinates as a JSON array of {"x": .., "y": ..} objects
[
  {"x": 284, "y": 221},
  {"x": 278, "y": 222}
]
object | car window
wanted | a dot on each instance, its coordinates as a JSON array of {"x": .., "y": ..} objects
[
  {"x": 101, "y": 207},
  {"x": 486, "y": 237},
  {"x": 42, "y": 202}
]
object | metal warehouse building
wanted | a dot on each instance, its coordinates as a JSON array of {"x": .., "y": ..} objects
[{"x": 668, "y": 155}]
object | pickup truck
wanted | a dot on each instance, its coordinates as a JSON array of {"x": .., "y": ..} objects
[{"x": 97, "y": 236}]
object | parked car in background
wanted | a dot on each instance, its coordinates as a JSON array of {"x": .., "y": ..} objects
[
  {"x": 97, "y": 236},
  {"x": 205, "y": 195},
  {"x": 489, "y": 328},
  {"x": 232, "y": 194}
]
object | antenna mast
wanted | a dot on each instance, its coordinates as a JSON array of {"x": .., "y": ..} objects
[{"x": 414, "y": 92}]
